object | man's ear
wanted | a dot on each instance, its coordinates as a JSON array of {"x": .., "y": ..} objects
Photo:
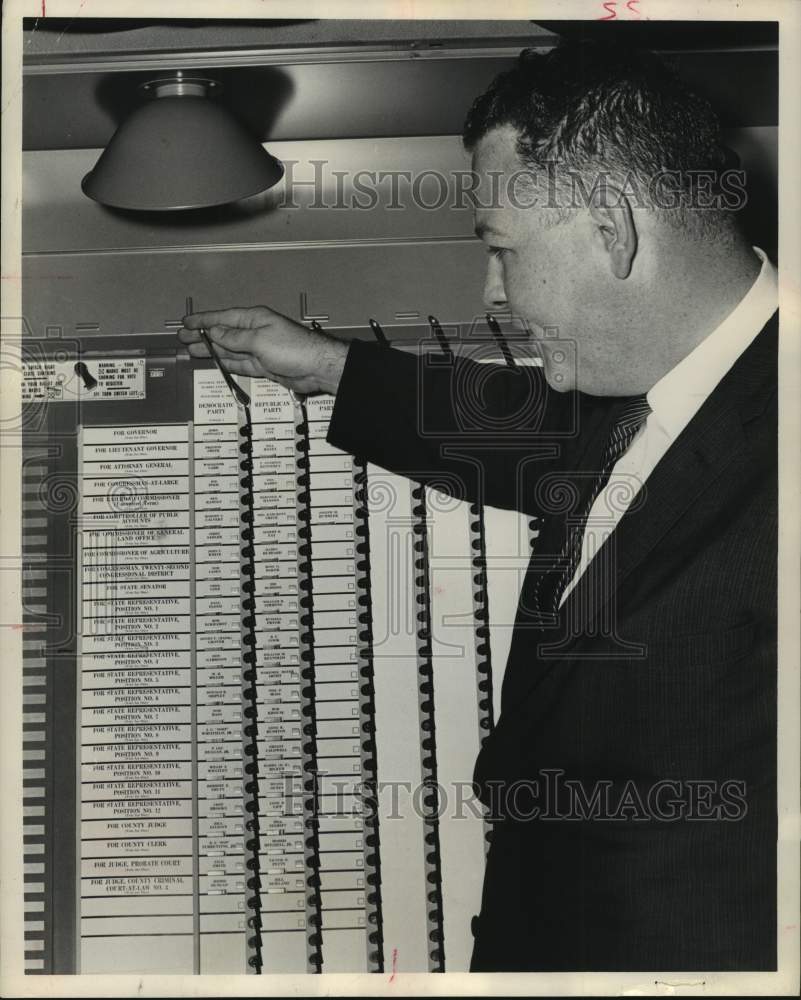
[{"x": 611, "y": 213}]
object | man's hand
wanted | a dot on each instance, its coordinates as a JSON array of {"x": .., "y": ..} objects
[{"x": 263, "y": 343}]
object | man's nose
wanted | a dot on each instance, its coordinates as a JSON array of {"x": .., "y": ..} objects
[{"x": 494, "y": 294}]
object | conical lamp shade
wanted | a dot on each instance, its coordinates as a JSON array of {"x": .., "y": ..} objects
[{"x": 180, "y": 150}]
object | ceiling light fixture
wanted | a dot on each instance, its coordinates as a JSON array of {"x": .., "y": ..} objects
[{"x": 180, "y": 150}]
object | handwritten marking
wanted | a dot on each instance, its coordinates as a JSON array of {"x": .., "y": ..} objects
[
  {"x": 394, "y": 964},
  {"x": 611, "y": 8}
]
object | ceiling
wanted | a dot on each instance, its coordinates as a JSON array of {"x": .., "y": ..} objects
[
  {"x": 47, "y": 37},
  {"x": 298, "y": 80}
]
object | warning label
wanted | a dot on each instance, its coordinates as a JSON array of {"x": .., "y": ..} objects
[{"x": 83, "y": 380}]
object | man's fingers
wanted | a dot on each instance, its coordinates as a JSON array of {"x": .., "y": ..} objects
[
  {"x": 232, "y": 339},
  {"x": 243, "y": 365},
  {"x": 238, "y": 316},
  {"x": 229, "y": 342},
  {"x": 198, "y": 349},
  {"x": 237, "y": 364}
]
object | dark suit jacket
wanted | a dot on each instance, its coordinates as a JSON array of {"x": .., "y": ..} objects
[{"x": 632, "y": 772}]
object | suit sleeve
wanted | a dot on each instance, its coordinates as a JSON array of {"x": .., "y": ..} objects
[{"x": 479, "y": 432}]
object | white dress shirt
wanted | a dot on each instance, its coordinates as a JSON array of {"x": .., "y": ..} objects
[{"x": 674, "y": 401}]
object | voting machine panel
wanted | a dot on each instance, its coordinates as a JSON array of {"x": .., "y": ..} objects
[{"x": 257, "y": 675}]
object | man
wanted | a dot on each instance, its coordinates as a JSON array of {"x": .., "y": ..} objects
[{"x": 632, "y": 771}]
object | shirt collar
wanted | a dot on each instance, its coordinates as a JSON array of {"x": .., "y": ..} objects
[{"x": 677, "y": 396}]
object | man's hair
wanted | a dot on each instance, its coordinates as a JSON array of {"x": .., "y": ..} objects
[{"x": 585, "y": 110}]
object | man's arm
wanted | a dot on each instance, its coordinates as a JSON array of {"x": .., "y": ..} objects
[
  {"x": 480, "y": 432},
  {"x": 458, "y": 425}
]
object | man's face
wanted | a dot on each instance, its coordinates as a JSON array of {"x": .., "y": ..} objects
[{"x": 552, "y": 274}]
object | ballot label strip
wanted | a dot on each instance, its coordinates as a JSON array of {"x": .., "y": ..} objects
[
  {"x": 349, "y": 852},
  {"x": 310, "y": 772},
  {"x": 369, "y": 752},
  {"x": 249, "y": 690},
  {"x": 430, "y": 797},
  {"x": 160, "y": 781},
  {"x": 481, "y": 613},
  {"x": 458, "y": 666}
]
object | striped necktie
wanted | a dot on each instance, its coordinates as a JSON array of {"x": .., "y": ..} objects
[{"x": 628, "y": 421}]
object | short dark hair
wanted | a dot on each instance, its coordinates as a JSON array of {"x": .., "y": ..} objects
[{"x": 585, "y": 107}]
